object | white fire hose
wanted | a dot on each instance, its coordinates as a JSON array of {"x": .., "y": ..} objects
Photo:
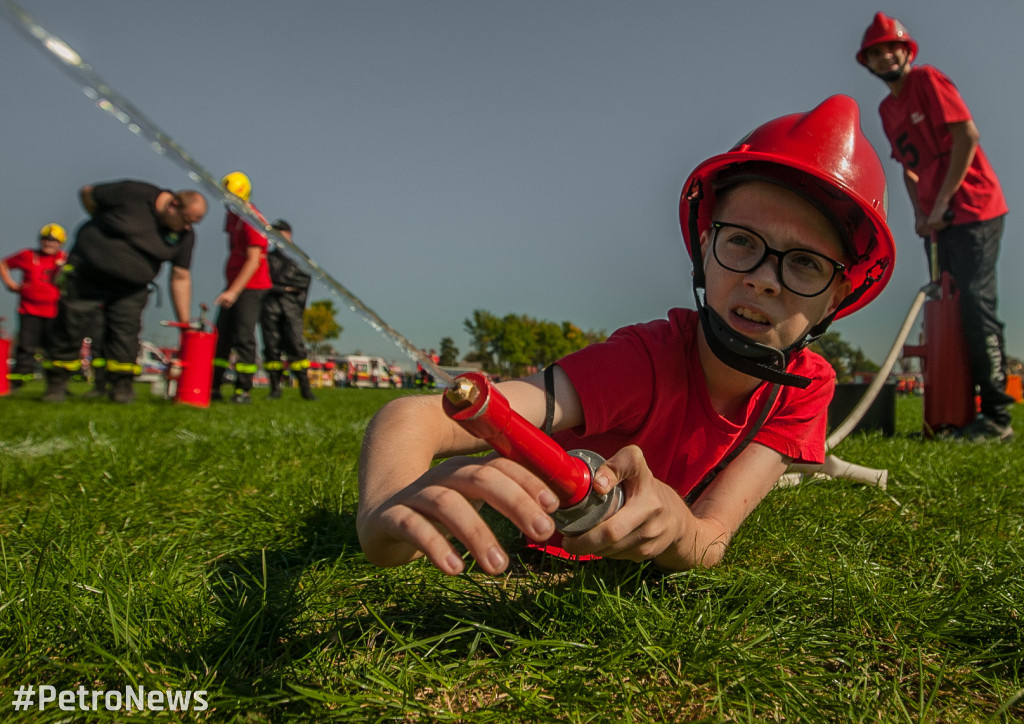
[{"x": 833, "y": 467}]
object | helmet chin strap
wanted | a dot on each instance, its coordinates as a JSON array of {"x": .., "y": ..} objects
[{"x": 744, "y": 354}]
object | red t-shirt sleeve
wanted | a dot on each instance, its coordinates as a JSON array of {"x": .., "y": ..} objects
[
  {"x": 947, "y": 98},
  {"x": 20, "y": 259},
  {"x": 797, "y": 427},
  {"x": 614, "y": 381}
]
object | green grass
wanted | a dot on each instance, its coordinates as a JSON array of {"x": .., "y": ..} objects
[{"x": 179, "y": 548}]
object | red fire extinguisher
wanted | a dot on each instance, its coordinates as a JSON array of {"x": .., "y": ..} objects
[
  {"x": 5, "y": 352},
  {"x": 948, "y": 389},
  {"x": 192, "y": 370}
]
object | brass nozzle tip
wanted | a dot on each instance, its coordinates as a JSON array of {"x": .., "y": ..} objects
[{"x": 463, "y": 393}]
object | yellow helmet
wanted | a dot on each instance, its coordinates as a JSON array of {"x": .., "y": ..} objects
[
  {"x": 237, "y": 183},
  {"x": 55, "y": 232}
]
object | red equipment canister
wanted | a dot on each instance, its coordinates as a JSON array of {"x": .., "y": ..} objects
[
  {"x": 5, "y": 351},
  {"x": 948, "y": 392},
  {"x": 196, "y": 362}
]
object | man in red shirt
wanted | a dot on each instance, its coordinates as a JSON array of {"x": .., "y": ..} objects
[
  {"x": 248, "y": 281},
  {"x": 958, "y": 202},
  {"x": 37, "y": 297}
]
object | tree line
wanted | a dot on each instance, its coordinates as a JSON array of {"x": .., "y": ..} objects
[{"x": 517, "y": 344}]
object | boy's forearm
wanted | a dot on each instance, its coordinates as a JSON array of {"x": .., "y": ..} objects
[
  {"x": 707, "y": 527},
  {"x": 702, "y": 543},
  {"x": 910, "y": 181},
  {"x": 964, "y": 147},
  {"x": 396, "y": 449},
  {"x": 400, "y": 443}
]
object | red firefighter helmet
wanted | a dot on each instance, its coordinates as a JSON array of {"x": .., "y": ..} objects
[
  {"x": 884, "y": 29},
  {"x": 824, "y": 156}
]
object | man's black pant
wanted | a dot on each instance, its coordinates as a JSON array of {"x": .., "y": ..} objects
[
  {"x": 32, "y": 334},
  {"x": 281, "y": 324},
  {"x": 236, "y": 330},
  {"x": 88, "y": 308},
  {"x": 969, "y": 252}
]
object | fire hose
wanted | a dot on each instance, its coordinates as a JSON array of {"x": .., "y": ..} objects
[{"x": 835, "y": 467}]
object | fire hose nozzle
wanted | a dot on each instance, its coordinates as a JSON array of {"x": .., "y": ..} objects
[
  {"x": 485, "y": 413},
  {"x": 463, "y": 393}
]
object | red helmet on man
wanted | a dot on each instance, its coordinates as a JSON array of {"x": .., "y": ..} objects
[
  {"x": 824, "y": 156},
  {"x": 884, "y": 29}
]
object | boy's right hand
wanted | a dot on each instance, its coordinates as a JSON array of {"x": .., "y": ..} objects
[{"x": 445, "y": 501}]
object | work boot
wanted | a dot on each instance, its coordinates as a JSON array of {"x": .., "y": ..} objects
[
  {"x": 241, "y": 397},
  {"x": 985, "y": 429},
  {"x": 56, "y": 386},
  {"x": 275, "y": 384},
  {"x": 122, "y": 389},
  {"x": 99, "y": 386},
  {"x": 218, "y": 379},
  {"x": 304, "y": 387}
]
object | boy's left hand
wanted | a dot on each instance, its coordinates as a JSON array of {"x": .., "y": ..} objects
[{"x": 648, "y": 522}]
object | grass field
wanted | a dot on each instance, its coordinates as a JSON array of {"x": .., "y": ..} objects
[{"x": 175, "y": 548}]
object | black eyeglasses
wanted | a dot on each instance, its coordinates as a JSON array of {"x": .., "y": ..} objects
[{"x": 805, "y": 273}]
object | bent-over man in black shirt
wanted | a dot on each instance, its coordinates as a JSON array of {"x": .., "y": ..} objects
[{"x": 134, "y": 228}]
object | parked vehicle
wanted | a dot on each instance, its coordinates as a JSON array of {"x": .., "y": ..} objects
[
  {"x": 364, "y": 371},
  {"x": 152, "y": 361}
]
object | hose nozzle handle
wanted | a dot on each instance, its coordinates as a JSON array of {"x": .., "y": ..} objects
[{"x": 481, "y": 410}]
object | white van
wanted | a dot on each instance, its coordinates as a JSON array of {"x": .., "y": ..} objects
[{"x": 366, "y": 371}]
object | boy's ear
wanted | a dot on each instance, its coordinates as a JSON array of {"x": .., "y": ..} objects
[
  {"x": 705, "y": 244},
  {"x": 842, "y": 291}
]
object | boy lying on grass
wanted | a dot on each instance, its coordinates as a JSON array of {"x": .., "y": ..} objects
[{"x": 787, "y": 232}]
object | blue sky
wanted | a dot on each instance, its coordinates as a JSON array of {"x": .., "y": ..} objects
[{"x": 440, "y": 157}]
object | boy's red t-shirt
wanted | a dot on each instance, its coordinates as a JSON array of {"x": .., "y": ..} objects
[
  {"x": 645, "y": 386},
  {"x": 38, "y": 296},
  {"x": 916, "y": 124}
]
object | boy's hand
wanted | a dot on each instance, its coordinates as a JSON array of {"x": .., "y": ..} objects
[
  {"x": 649, "y": 521},
  {"x": 445, "y": 501}
]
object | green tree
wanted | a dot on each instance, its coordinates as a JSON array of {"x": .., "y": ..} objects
[
  {"x": 319, "y": 325},
  {"x": 517, "y": 344},
  {"x": 844, "y": 358},
  {"x": 449, "y": 352},
  {"x": 483, "y": 329}
]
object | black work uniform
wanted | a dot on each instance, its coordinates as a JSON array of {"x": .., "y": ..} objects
[
  {"x": 117, "y": 253},
  {"x": 281, "y": 318}
]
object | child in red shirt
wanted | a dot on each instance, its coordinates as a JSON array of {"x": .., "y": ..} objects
[
  {"x": 958, "y": 203},
  {"x": 37, "y": 297},
  {"x": 787, "y": 232}
]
